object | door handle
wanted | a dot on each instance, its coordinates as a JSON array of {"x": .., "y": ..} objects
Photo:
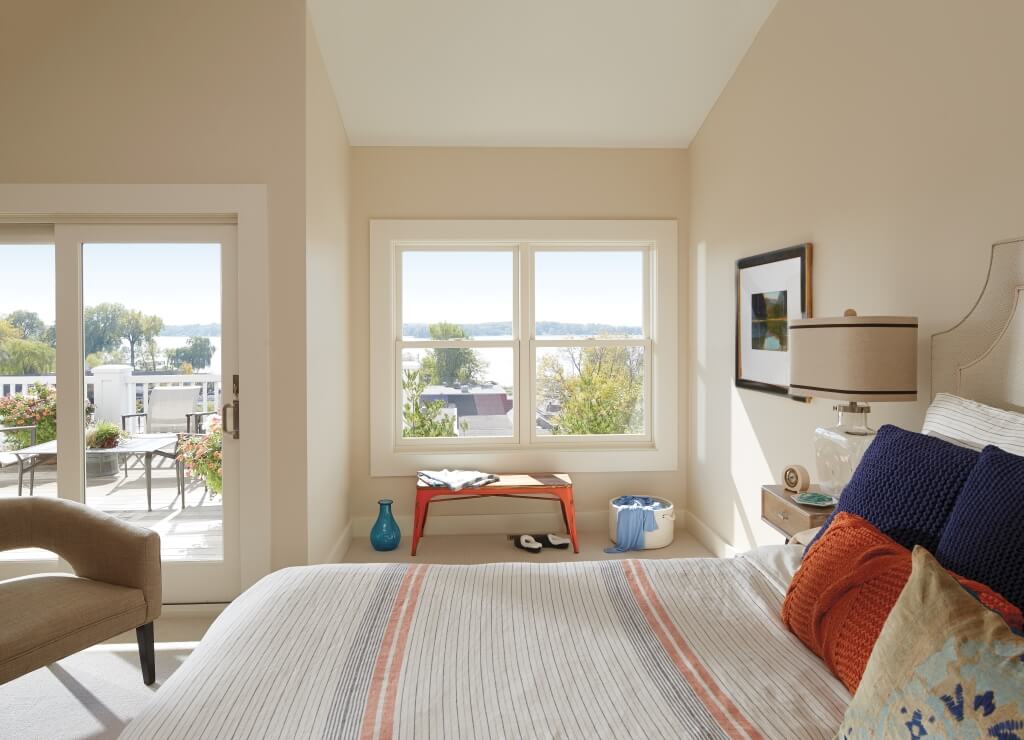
[{"x": 231, "y": 429}]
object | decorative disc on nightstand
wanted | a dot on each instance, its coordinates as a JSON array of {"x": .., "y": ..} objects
[
  {"x": 815, "y": 499},
  {"x": 795, "y": 478}
]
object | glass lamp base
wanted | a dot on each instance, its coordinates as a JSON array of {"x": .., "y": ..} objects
[{"x": 838, "y": 450}]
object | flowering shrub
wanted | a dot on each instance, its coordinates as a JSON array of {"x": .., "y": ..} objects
[
  {"x": 202, "y": 455},
  {"x": 38, "y": 409}
]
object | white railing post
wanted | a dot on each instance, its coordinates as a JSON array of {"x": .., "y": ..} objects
[{"x": 114, "y": 392}]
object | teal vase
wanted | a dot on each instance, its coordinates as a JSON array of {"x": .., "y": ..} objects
[{"x": 385, "y": 534}]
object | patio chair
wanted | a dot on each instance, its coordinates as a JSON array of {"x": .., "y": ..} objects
[
  {"x": 9, "y": 459},
  {"x": 171, "y": 409}
]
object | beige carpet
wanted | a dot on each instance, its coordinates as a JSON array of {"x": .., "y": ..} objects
[{"x": 95, "y": 693}]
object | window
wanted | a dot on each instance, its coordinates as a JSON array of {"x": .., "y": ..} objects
[{"x": 518, "y": 345}]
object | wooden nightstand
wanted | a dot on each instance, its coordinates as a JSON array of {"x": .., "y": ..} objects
[{"x": 779, "y": 511}]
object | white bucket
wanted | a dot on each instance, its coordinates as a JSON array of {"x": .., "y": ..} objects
[{"x": 665, "y": 518}]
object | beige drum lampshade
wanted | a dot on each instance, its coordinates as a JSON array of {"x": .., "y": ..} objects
[{"x": 854, "y": 358}]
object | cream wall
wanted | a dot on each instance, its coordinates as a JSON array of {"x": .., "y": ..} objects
[
  {"x": 328, "y": 322},
  {"x": 889, "y": 135},
  {"x": 503, "y": 183},
  {"x": 118, "y": 91}
]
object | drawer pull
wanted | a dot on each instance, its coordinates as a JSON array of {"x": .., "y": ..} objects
[{"x": 783, "y": 515}]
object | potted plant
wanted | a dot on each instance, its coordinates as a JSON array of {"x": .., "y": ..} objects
[
  {"x": 103, "y": 436},
  {"x": 202, "y": 455}
]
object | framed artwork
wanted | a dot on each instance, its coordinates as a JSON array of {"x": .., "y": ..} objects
[{"x": 771, "y": 290}]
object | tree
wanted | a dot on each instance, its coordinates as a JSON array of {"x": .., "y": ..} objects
[
  {"x": 31, "y": 326},
  {"x": 422, "y": 419},
  {"x": 451, "y": 366},
  {"x": 599, "y": 389},
  {"x": 104, "y": 327},
  {"x": 19, "y": 356},
  {"x": 138, "y": 329},
  {"x": 197, "y": 352}
]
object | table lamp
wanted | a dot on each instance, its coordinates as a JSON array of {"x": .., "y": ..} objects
[{"x": 854, "y": 359}]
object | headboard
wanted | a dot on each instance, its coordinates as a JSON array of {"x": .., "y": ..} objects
[{"x": 982, "y": 357}]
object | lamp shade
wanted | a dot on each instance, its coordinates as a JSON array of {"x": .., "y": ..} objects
[{"x": 854, "y": 358}]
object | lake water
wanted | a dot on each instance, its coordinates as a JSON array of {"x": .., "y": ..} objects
[{"x": 166, "y": 343}]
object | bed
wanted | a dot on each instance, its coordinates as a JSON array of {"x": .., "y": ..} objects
[
  {"x": 633, "y": 648},
  {"x": 689, "y": 648}
]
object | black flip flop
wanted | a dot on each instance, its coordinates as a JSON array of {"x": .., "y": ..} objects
[
  {"x": 552, "y": 540},
  {"x": 526, "y": 542}
]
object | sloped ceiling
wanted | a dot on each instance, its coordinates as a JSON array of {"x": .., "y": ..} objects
[{"x": 604, "y": 73}]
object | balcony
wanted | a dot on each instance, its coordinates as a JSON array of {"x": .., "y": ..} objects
[{"x": 194, "y": 532}]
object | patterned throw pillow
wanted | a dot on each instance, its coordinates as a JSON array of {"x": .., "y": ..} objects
[
  {"x": 984, "y": 538},
  {"x": 840, "y": 597},
  {"x": 944, "y": 666},
  {"x": 906, "y": 485}
]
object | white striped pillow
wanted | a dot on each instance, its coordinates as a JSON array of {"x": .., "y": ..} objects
[{"x": 971, "y": 424}]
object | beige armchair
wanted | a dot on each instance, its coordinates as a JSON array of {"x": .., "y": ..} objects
[{"x": 115, "y": 586}]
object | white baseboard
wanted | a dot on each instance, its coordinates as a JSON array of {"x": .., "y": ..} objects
[
  {"x": 337, "y": 553},
  {"x": 185, "y": 611},
  {"x": 708, "y": 537},
  {"x": 586, "y": 521}
]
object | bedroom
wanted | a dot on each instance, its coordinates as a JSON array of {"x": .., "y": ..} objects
[{"x": 883, "y": 133}]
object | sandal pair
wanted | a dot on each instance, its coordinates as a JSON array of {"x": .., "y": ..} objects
[{"x": 537, "y": 542}]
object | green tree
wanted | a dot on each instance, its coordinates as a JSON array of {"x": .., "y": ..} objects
[
  {"x": 197, "y": 352},
  {"x": 138, "y": 329},
  {"x": 31, "y": 326},
  {"x": 104, "y": 327},
  {"x": 422, "y": 419},
  {"x": 454, "y": 365},
  {"x": 599, "y": 389},
  {"x": 19, "y": 356}
]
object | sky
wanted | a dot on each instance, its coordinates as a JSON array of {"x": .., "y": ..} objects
[
  {"x": 180, "y": 283},
  {"x": 571, "y": 286}
]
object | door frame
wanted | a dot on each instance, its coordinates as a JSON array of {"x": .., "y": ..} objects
[{"x": 244, "y": 206}]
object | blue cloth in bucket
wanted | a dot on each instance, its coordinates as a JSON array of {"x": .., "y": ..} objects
[{"x": 636, "y": 516}]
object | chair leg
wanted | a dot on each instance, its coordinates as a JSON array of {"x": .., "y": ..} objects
[{"x": 147, "y": 654}]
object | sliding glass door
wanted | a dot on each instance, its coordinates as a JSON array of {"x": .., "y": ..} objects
[{"x": 147, "y": 364}]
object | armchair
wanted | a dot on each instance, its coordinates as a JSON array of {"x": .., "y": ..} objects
[{"x": 116, "y": 585}]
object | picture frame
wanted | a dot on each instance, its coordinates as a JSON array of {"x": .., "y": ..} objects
[{"x": 772, "y": 289}]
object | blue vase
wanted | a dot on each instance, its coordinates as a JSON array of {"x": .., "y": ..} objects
[{"x": 385, "y": 534}]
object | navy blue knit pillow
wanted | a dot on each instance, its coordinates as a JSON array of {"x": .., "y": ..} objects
[
  {"x": 906, "y": 485},
  {"x": 984, "y": 538}
]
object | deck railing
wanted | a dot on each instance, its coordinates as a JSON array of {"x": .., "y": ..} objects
[{"x": 116, "y": 389}]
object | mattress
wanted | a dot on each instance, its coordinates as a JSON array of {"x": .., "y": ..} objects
[{"x": 609, "y": 649}]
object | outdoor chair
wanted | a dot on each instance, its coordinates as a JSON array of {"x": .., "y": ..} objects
[
  {"x": 9, "y": 459},
  {"x": 171, "y": 409}
]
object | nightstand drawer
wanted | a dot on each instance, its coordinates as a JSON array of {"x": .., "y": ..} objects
[{"x": 786, "y": 516}]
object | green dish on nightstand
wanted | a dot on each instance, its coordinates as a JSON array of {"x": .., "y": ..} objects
[{"x": 814, "y": 499}]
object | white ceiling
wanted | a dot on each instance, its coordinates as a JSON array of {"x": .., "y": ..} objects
[{"x": 605, "y": 73}]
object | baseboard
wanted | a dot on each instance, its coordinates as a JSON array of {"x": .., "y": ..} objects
[
  {"x": 338, "y": 552},
  {"x": 708, "y": 537},
  {"x": 192, "y": 610},
  {"x": 586, "y": 521}
]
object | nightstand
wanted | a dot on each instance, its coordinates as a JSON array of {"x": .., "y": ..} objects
[{"x": 781, "y": 513}]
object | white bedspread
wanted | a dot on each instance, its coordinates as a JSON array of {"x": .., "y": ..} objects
[{"x": 615, "y": 649}]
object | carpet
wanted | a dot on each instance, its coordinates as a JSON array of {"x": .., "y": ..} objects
[{"x": 92, "y": 694}]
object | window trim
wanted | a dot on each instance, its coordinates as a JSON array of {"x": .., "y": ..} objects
[{"x": 524, "y": 451}]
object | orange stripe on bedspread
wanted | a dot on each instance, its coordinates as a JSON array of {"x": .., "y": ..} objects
[
  {"x": 717, "y": 702},
  {"x": 379, "y": 713}
]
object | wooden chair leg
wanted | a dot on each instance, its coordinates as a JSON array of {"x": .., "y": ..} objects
[{"x": 147, "y": 652}]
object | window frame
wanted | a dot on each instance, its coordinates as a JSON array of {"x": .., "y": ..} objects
[{"x": 525, "y": 450}]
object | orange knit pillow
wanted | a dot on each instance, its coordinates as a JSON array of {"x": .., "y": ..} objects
[{"x": 846, "y": 586}]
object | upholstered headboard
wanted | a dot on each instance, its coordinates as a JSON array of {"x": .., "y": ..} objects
[{"x": 982, "y": 357}]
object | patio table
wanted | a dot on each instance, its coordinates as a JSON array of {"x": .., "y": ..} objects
[{"x": 146, "y": 446}]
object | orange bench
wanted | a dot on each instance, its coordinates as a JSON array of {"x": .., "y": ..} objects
[{"x": 543, "y": 486}]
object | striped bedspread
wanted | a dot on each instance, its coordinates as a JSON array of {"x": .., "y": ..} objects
[{"x": 688, "y": 648}]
